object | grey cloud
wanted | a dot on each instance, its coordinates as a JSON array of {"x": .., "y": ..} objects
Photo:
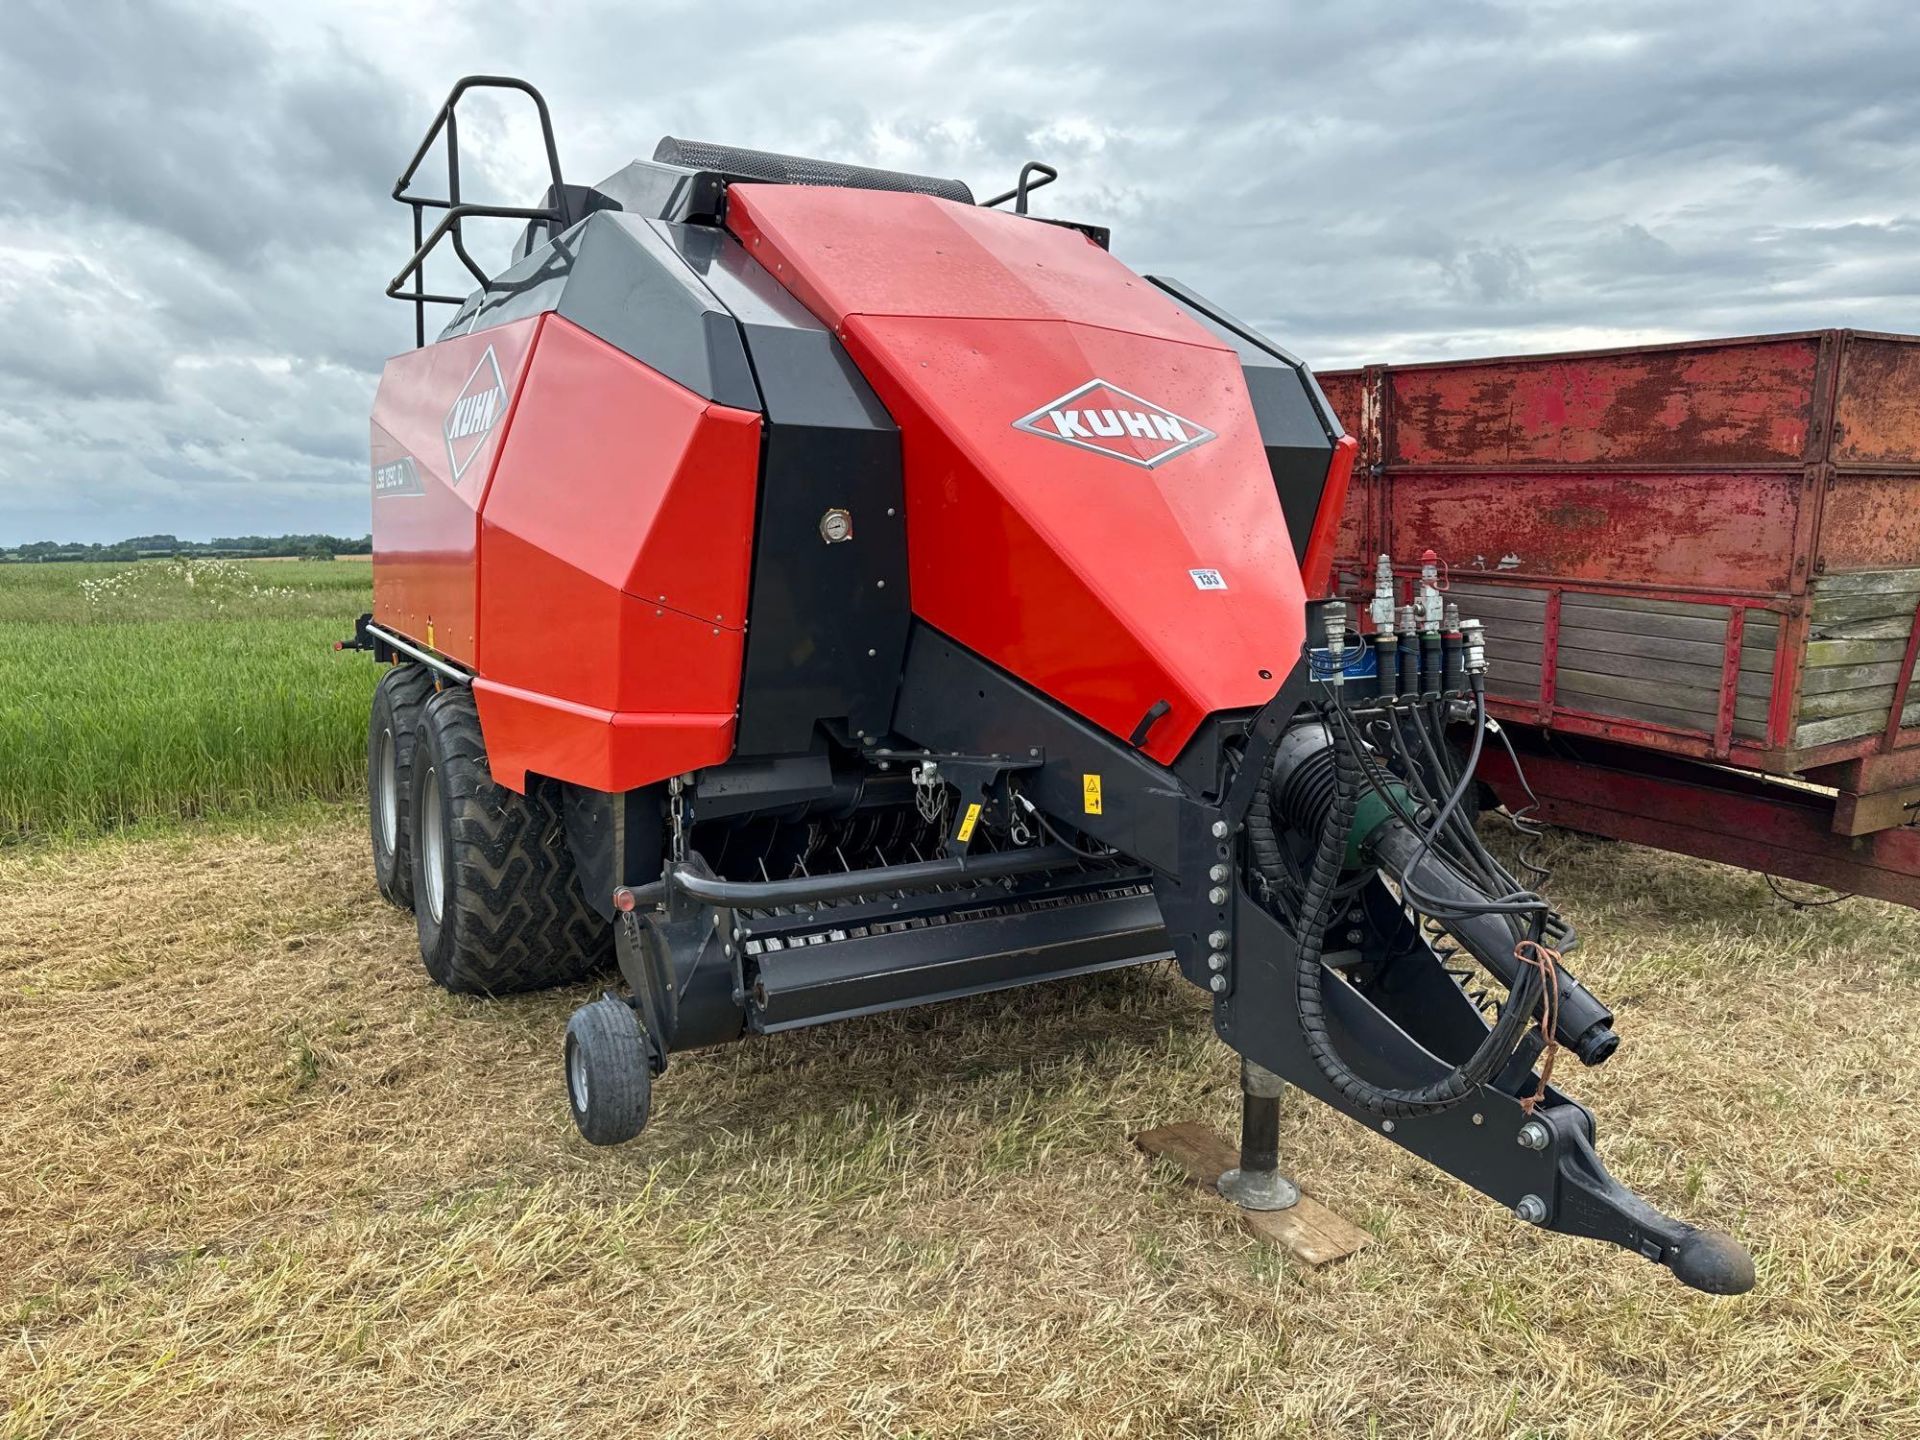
[
  {"x": 1495, "y": 274},
  {"x": 197, "y": 230},
  {"x": 190, "y": 125},
  {"x": 68, "y": 331}
]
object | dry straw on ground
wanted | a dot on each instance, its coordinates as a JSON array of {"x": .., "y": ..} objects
[{"x": 257, "y": 1178}]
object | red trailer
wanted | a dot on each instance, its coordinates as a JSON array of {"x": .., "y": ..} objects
[{"x": 1699, "y": 570}]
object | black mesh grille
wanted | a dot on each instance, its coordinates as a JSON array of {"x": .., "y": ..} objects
[{"x": 740, "y": 164}]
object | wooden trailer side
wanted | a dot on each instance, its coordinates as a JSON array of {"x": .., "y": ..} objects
[{"x": 1708, "y": 551}]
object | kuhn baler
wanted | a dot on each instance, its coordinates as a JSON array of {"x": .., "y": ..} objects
[{"x": 827, "y": 594}]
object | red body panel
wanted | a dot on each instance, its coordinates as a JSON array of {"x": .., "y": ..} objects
[
  {"x": 426, "y": 533},
  {"x": 1316, "y": 564},
  {"x": 867, "y": 252},
  {"x": 1070, "y": 568},
  {"x": 616, "y": 540}
]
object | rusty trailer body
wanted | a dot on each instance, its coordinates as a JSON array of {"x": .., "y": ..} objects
[{"x": 1699, "y": 569}]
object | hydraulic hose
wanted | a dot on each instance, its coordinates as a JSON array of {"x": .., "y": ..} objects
[
  {"x": 1583, "y": 1024},
  {"x": 1323, "y": 878}
]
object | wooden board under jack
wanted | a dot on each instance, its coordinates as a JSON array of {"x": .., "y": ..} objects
[{"x": 1308, "y": 1231}]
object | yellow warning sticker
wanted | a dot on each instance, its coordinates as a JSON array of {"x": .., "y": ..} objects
[
  {"x": 968, "y": 821},
  {"x": 1090, "y": 789}
]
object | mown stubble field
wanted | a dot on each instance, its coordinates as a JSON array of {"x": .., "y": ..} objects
[{"x": 257, "y": 1177}]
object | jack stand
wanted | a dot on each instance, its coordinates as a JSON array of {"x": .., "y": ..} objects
[
  {"x": 1271, "y": 1208},
  {"x": 1256, "y": 1183}
]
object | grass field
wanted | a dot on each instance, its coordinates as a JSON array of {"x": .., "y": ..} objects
[
  {"x": 169, "y": 689},
  {"x": 257, "y": 1177}
]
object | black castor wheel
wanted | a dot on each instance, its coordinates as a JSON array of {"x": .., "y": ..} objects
[{"x": 609, "y": 1077}]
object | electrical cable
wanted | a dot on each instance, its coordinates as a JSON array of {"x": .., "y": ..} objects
[
  {"x": 1485, "y": 866},
  {"x": 1800, "y": 904},
  {"x": 1530, "y": 833},
  {"x": 1383, "y": 785},
  {"x": 1059, "y": 839}
]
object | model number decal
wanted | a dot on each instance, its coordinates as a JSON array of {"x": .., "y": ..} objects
[
  {"x": 397, "y": 477},
  {"x": 1208, "y": 580}
]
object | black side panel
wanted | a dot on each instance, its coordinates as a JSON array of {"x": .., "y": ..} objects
[
  {"x": 574, "y": 202},
  {"x": 615, "y": 840},
  {"x": 827, "y": 620},
  {"x": 1297, "y": 426},
  {"x": 666, "y": 192},
  {"x": 953, "y": 701},
  {"x": 644, "y": 188},
  {"x": 764, "y": 165},
  {"x": 615, "y": 277}
]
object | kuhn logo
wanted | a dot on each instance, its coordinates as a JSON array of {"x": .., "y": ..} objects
[
  {"x": 482, "y": 400},
  {"x": 1116, "y": 422}
]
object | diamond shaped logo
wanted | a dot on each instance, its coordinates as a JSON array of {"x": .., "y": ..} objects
[
  {"x": 482, "y": 401},
  {"x": 1111, "y": 421}
]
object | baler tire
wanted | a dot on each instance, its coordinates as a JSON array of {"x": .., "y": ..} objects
[
  {"x": 506, "y": 913},
  {"x": 609, "y": 1078},
  {"x": 392, "y": 727}
]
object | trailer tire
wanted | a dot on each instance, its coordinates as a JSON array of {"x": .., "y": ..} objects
[
  {"x": 392, "y": 727},
  {"x": 609, "y": 1078},
  {"x": 496, "y": 896}
]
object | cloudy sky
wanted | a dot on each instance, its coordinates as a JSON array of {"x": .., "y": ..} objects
[{"x": 195, "y": 234}]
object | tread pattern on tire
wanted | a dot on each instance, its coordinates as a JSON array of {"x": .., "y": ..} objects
[
  {"x": 620, "y": 1096},
  {"x": 404, "y": 691},
  {"x": 515, "y": 913}
]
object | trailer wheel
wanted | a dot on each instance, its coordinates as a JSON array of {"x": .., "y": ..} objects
[
  {"x": 497, "y": 901},
  {"x": 609, "y": 1081},
  {"x": 397, "y": 702}
]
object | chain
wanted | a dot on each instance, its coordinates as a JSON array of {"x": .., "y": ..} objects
[
  {"x": 676, "y": 819},
  {"x": 930, "y": 793}
]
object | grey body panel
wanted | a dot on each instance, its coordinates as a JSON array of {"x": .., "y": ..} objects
[
  {"x": 829, "y": 621},
  {"x": 616, "y": 277}
]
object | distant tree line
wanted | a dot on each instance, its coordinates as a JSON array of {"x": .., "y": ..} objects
[{"x": 229, "y": 547}]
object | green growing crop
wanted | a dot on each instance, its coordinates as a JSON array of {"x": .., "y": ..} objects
[{"x": 176, "y": 688}]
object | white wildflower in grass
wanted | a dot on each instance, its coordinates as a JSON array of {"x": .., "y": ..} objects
[{"x": 183, "y": 587}]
